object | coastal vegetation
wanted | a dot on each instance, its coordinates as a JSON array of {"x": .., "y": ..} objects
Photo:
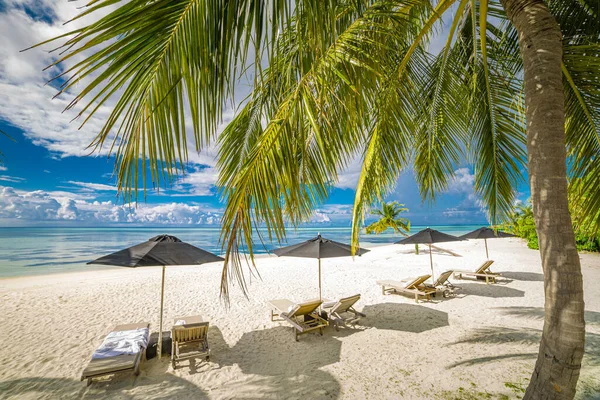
[
  {"x": 522, "y": 224},
  {"x": 515, "y": 80}
]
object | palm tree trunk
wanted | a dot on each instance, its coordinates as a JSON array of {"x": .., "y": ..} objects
[{"x": 561, "y": 349}]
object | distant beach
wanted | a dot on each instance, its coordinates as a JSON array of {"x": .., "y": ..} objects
[{"x": 40, "y": 251}]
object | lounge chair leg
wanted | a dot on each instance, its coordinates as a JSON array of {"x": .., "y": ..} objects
[
  {"x": 296, "y": 335},
  {"x": 89, "y": 381}
]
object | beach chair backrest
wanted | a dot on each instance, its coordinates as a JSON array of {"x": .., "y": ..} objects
[
  {"x": 190, "y": 332},
  {"x": 304, "y": 308},
  {"x": 443, "y": 278},
  {"x": 417, "y": 281},
  {"x": 483, "y": 268},
  {"x": 344, "y": 304}
]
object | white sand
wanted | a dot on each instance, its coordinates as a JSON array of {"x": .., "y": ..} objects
[{"x": 484, "y": 341}]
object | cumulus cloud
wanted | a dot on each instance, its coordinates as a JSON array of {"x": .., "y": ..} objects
[
  {"x": 32, "y": 207},
  {"x": 3, "y": 168},
  {"x": 199, "y": 182},
  {"x": 319, "y": 218},
  {"x": 348, "y": 178},
  {"x": 463, "y": 181}
]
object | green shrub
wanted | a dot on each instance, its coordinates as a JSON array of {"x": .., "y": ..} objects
[{"x": 521, "y": 224}]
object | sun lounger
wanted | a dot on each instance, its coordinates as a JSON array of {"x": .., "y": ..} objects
[
  {"x": 443, "y": 285},
  {"x": 483, "y": 272},
  {"x": 342, "y": 312},
  {"x": 413, "y": 286},
  {"x": 189, "y": 337},
  {"x": 303, "y": 317},
  {"x": 122, "y": 350}
]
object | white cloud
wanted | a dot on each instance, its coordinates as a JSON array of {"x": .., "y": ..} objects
[
  {"x": 3, "y": 168},
  {"x": 94, "y": 186},
  {"x": 197, "y": 183},
  {"x": 319, "y": 218},
  {"x": 462, "y": 182},
  {"x": 14, "y": 179},
  {"x": 348, "y": 178},
  {"x": 39, "y": 206}
]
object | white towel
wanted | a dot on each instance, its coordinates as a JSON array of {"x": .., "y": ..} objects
[
  {"x": 180, "y": 322},
  {"x": 122, "y": 343}
]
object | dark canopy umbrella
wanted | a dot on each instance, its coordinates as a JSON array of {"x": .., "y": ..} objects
[
  {"x": 318, "y": 248},
  {"x": 160, "y": 250},
  {"x": 486, "y": 233},
  {"x": 429, "y": 236}
]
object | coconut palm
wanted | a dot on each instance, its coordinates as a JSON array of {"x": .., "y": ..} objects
[
  {"x": 345, "y": 80},
  {"x": 389, "y": 217}
]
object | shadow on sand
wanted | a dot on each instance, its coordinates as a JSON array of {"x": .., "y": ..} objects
[
  {"x": 527, "y": 336},
  {"x": 523, "y": 276},
  {"x": 403, "y": 317},
  {"x": 121, "y": 386},
  {"x": 537, "y": 313},
  {"x": 276, "y": 366},
  {"x": 492, "y": 290}
]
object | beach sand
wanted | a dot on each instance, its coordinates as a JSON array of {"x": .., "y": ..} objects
[{"x": 483, "y": 342}]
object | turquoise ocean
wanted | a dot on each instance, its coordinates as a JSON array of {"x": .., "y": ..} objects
[{"x": 38, "y": 251}]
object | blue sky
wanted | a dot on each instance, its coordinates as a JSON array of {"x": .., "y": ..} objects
[{"x": 49, "y": 178}]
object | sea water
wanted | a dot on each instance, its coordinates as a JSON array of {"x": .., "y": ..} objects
[{"x": 35, "y": 251}]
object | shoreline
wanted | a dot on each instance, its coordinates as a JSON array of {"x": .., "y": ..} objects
[{"x": 261, "y": 256}]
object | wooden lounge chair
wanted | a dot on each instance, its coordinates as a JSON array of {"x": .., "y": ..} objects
[
  {"x": 443, "y": 285},
  {"x": 414, "y": 286},
  {"x": 189, "y": 339},
  {"x": 342, "y": 312},
  {"x": 483, "y": 272},
  {"x": 303, "y": 317},
  {"x": 118, "y": 363}
]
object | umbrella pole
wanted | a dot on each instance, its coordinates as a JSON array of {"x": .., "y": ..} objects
[
  {"x": 320, "y": 298},
  {"x": 486, "y": 250},
  {"x": 431, "y": 262},
  {"x": 162, "y": 299}
]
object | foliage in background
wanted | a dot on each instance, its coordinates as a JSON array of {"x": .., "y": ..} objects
[
  {"x": 521, "y": 223},
  {"x": 389, "y": 217}
]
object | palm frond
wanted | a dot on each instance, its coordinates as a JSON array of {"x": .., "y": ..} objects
[{"x": 166, "y": 62}]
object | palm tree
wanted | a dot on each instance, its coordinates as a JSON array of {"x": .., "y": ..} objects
[
  {"x": 389, "y": 217},
  {"x": 515, "y": 81}
]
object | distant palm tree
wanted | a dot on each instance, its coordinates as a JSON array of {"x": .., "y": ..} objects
[{"x": 389, "y": 217}]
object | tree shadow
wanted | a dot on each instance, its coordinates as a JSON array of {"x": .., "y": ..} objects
[
  {"x": 526, "y": 336},
  {"x": 482, "y": 360},
  {"x": 276, "y": 366},
  {"x": 537, "y": 313},
  {"x": 403, "y": 317},
  {"x": 492, "y": 290},
  {"x": 523, "y": 276},
  {"x": 170, "y": 386}
]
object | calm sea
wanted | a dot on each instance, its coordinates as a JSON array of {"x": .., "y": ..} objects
[{"x": 34, "y": 251}]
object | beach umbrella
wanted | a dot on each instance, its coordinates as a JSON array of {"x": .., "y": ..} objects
[
  {"x": 159, "y": 251},
  {"x": 429, "y": 236},
  {"x": 486, "y": 233},
  {"x": 318, "y": 248}
]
